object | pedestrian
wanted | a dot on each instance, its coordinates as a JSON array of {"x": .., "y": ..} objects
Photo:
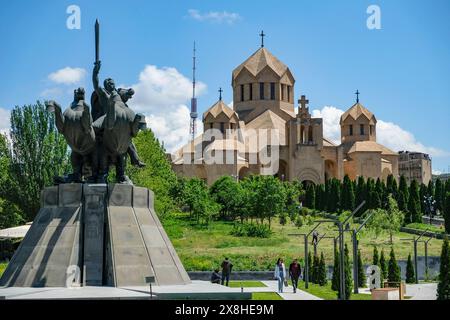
[
  {"x": 280, "y": 274},
  {"x": 226, "y": 271},
  {"x": 294, "y": 273},
  {"x": 215, "y": 276}
]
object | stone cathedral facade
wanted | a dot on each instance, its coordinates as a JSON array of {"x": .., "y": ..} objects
[{"x": 265, "y": 124}]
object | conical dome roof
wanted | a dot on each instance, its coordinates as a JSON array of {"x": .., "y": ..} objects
[
  {"x": 218, "y": 108},
  {"x": 356, "y": 111},
  {"x": 258, "y": 61}
]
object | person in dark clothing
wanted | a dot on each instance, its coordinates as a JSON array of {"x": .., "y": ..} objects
[
  {"x": 215, "y": 277},
  {"x": 295, "y": 271},
  {"x": 226, "y": 271}
]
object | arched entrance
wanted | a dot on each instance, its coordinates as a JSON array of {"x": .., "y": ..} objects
[{"x": 309, "y": 175}]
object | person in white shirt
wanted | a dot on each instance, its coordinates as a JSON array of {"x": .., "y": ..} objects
[{"x": 280, "y": 274}]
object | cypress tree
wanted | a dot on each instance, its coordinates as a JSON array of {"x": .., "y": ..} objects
[
  {"x": 443, "y": 290},
  {"x": 322, "y": 273},
  {"x": 376, "y": 258},
  {"x": 310, "y": 200},
  {"x": 447, "y": 212},
  {"x": 403, "y": 187},
  {"x": 430, "y": 189},
  {"x": 361, "y": 273},
  {"x": 316, "y": 270},
  {"x": 401, "y": 201},
  {"x": 389, "y": 184},
  {"x": 393, "y": 268},
  {"x": 334, "y": 196},
  {"x": 383, "y": 266},
  {"x": 394, "y": 189},
  {"x": 360, "y": 192},
  {"x": 410, "y": 277},
  {"x": 422, "y": 194},
  {"x": 335, "y": 278},
  {"x": 348, "y": 275},
  {"x": 438, "y": 194},
  {"x": 311, "y": 267},
  {"x": 320, "y": 197},
  {"x": 348, "y": 195},
  {"x": 414, "y": 212}
]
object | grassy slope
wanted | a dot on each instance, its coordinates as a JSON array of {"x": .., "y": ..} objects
[
  {"x": 246, "y": 284},
  {"x": 266, "y": 296},
  {"x": 204, "y": 248}
]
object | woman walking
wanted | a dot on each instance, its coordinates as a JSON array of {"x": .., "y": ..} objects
[{"x": 280, "y": 274}]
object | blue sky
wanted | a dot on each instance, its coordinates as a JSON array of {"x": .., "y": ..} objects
[{"x": 401, "y": 70}]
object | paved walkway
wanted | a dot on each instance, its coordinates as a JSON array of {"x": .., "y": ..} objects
[{"x": 272, "y": 286}]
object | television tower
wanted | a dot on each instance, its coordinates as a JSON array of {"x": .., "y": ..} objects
[{"x": 194, "y": 114}]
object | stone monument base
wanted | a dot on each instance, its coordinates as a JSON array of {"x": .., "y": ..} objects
[{"x": 95, "y": 235}]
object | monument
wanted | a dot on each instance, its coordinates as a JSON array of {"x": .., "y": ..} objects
[{"x": 89, "y": 232}]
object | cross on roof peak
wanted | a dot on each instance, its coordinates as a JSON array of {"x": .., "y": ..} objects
[
  {"x": 357, "y": 96},
  {"x": 303, "y": 101},
  {"x": 262, "y": 35},
  {"x": 220, "y": 94}
]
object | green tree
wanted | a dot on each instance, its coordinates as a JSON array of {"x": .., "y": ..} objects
[
  {"x": 336, "y": 276},
  {"x": 269, "y": 197},
  {"x": 443, "y": 290},
  {"x": 348, "y": 275},
  {"x": 383, "y": 265},
  {"x": 320, "y": 197},
  {"x": 414, "y": 210},
  {"x": 439, "y": 194},
  {"x": 430, "y": 189},
  {"x": 225, "y": 191},
  {"x": 322, "y": 272},
  {"x": 393, "y": 268},
  {"x": 348, "y": 195},
  {"x": 292, "y": 191},
  {"x": 361, "y": 194},
  {"x": 157, "y": 175},
  {"x": 361, "y": 274},
  {"x": 310, "y": 267},
  {"x": 410, "y": 277},
  {"x": 334, "y": 196},
  {"x": 310, "y": 198},
  {"x": 38, "y": 154},
  {"x": 447, "y": 212},
  {"x": 423, "y": 190},
  {"x": 386, "y": 221},
  {"x": 315, "y": 270},
  {"x": 376, "y": 258}
]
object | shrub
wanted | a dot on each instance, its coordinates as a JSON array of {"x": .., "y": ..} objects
[{"x": 251, "y": 230}]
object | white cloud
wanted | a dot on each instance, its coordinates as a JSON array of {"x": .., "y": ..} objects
[
  {"x": 4, "y": 120},
  {"x": 437, "y": 172},
  {"x": 214, "y": 16},
  {"x": 389, "y": 134},
  {"x": 331, "y": 127},
  {"x": 163, "y": 94},
  {"x": 68, "y": 75},
  {"x": 52, "y": 93}
]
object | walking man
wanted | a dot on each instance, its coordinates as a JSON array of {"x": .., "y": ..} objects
[{"x": 294, "y": 273}]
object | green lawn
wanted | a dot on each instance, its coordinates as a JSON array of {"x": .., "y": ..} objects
[
  {"x": 266, "y": 296},
  {"x": 246, "y": 284},
  {"x": 203, "y": 249},
  {"x": 424, "y": 226}
]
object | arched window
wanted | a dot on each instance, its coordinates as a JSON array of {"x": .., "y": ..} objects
[
  {"x": 250, "y": 87},
  {"x": 242, "y": 92},
  {"x": 261, "y": 90}
]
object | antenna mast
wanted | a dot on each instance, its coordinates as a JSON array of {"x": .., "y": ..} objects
[{"x": 194, "y": 114}]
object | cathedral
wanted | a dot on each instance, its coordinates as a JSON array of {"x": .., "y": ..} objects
[{"x": 263, "y": 133}]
